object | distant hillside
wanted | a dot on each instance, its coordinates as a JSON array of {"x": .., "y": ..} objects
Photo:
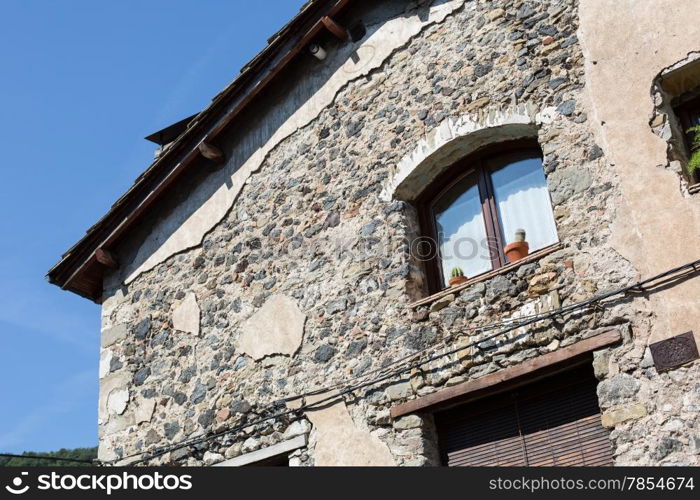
[{"x": 77, "y": 453}]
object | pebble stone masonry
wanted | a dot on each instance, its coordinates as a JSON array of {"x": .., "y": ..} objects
[{"x": 304, "y": 277}]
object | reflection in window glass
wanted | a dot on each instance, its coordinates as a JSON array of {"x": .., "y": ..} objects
[
  {"x": 460, "y": 230},
  {"x": 522, "y": 200}
]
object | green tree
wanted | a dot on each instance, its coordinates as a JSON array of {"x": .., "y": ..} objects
[{"x": 76, "y": 453}]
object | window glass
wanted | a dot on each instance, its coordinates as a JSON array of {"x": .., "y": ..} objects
[
  {"x": 461, "y": 233},
  {"x": 522, "y": 202}
]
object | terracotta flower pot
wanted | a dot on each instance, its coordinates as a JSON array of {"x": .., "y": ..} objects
[
  {"x": 458, "y": 280},
  {"x": 516, "y": 250}
]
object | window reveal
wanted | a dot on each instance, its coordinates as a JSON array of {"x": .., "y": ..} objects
[{"x": 688, "y": 115}]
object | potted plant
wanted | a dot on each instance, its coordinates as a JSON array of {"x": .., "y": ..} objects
[
  {"x": 458, "y": 276},
  {"x": 519, "y": 248},
  {"x": 694, "y": 162}
]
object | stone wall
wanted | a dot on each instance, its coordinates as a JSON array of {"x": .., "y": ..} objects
[{"x": 306, "y": 282}]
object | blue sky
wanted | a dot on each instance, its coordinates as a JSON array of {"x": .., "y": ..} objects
[{"x": 81, "y": 84}]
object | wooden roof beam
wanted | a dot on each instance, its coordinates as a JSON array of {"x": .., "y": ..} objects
[
  {"x": 338, "y": 31},
  {"x": 106, "y": 258},
  {"x": 211, "y": 152}
]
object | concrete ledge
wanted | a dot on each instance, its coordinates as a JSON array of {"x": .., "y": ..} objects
[
  {"x": 458, "y": 392},
  {"x": 265, "y": 453},
  {"x": 534, "y": 256}
]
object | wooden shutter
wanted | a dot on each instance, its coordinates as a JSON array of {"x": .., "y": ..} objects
[{"x": 553, "y": 422}]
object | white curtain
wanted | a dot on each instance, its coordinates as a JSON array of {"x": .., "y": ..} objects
[{"x": 523, "y": 202}]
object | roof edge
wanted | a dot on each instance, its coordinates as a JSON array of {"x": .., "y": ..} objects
[{"x": 79, "y": 270}]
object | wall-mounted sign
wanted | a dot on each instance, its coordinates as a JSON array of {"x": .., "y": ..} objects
[{"x": 675, "y": 351}]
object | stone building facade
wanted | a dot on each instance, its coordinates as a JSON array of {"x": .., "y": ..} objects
[{"x": 291, "y": 266}]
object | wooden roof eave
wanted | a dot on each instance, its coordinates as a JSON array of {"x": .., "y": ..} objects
[{"x": 78, "y": 270}]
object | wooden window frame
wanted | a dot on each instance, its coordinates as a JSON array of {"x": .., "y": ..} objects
[{"x": 484, "y": 162}]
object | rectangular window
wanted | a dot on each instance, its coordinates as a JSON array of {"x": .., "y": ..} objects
[{"x": 553, "y": 422}]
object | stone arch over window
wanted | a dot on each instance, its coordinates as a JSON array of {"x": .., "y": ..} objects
[
  {"x": 456, "y": 138},
  {"x": 476, "y": 184}
]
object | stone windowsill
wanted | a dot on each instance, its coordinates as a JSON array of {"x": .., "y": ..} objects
[{"x": 535, "y": 256}]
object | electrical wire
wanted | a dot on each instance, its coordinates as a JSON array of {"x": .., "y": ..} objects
[
  {"x": 60, "y": 459},
  {"x": 402, "y": 365},
  {"x": 636, "y": 287}
]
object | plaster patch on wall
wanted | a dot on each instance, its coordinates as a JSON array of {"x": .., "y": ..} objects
[
  {"x": 105, "y": 360},
  {"x": 186, "y": 315},
  {"x": 277, "y": 328},
  {"x": 455, "y": 138},
  {"x": 110, "y": 383},
  {"x": 625, "y": 50},
  {"x": 117, "y": 423},
  {"x": 117, "y": 401},
  {"x": 340, "y": 443},
  {"x": 369, "y": 55},
  {"x": 109, "y": 306}
]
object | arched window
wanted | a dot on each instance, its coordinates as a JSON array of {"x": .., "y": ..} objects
[{"x": 476, "y": 207}]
